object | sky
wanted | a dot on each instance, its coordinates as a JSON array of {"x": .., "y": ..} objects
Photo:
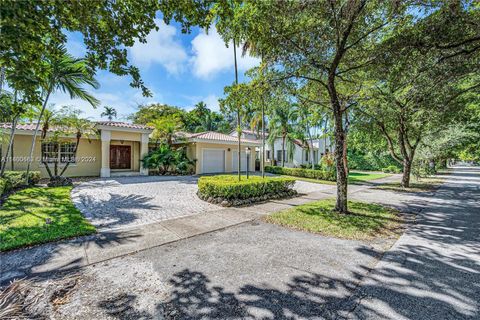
[{"x": 179, "y": 69}]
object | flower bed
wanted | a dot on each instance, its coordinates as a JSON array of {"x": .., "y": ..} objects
[
  {"x": 226, "y": 190},
  {"x": 303, "y": 173}
]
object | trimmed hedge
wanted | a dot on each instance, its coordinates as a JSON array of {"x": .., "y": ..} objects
[
  {"x": 227, "y": 188},
  {"x": 392, "y": 169},
  {"x": 16, "y": 179},
  {"x": 303, "y": 173}
]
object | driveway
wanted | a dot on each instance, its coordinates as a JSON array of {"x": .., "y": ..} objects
[{"x": 127, "y": 202}]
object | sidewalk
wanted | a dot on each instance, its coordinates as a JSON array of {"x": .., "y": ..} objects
[{"x": 65, "y": 255}]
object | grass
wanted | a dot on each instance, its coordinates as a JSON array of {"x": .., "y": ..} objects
[
  {"x": 23, "y": 218},
  {"x": 420, "y": 185},
  {"x": 353, "y": 177},
  {"x": 365, "y": 221}
]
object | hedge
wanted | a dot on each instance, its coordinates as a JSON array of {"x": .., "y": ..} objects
[
  {"x": 227, "y": 187},
  {"x": 16, "y": 179},
  {"x": 303, "y": 173},
  {"x": 391, "y": 169}
]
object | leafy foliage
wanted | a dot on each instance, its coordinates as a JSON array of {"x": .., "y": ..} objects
[
  {"x": 16, "y": 179},
  {"x": 165, "y": 159},
  {"x": 304, "y": 173},
  {"x": 229, "y": 188}
]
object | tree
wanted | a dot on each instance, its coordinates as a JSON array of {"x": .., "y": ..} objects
[
  {"x": 108, "y": 28},
  {"x": 109, "y": 112},
  {"x": 419, "y": 86},
  {"x": 67, "y": 74},
  {"x": 165, "y": 129},
  {"x": 326, "y": 42},
  {"x": 281, "y": 124},
  {"x": 151, "y": 112}
]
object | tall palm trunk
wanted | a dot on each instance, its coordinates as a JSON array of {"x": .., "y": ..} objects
[
  {"x": 10, "y": 146},
  {"x": 283, "y": 151},
  {"x": 10, "y": 140},
  {"x": 239, "y": 133},
  {"x": 30, "y": 158},
  {"x": 263, "y": 139}
]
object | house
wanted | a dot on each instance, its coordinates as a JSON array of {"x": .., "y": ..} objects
[
  {"x": 301, "y": 151},
  {"x": 115, "y": 149},
  {"x": 216, "y": 152}
]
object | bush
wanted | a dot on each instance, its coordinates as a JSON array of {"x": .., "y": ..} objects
[
  {"x": 392, "y": 169},
  {"x": 3, "y": 186},
  {"x": 167, "y": 160},
  {"x": 370, "y": 160},
  {"x": 227, "y": 187},
  {"x": 16, "y": 179},
  {"x": 303, "y": 173}
]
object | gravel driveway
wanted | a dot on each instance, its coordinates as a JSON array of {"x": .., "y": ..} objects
[{"x": 134, "y": 201}]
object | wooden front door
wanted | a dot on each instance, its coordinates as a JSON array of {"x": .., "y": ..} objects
[{"x": 120, "y": 157}]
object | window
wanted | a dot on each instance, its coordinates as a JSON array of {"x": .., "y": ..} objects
[
  {"x": 54, "y": 152},
  {"x": 268, "y": 155},
  {"x": 307, "y": 154},
  {"x": 281, "y": 155},
  {"x": 67, "y": 152}
]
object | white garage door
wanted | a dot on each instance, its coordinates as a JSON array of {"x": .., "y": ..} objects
[
  {"x": 213, "y": 161},
  {"x": 243, "y": 161}
]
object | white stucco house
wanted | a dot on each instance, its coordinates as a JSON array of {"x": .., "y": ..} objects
[{"x": 301, "y": 152}]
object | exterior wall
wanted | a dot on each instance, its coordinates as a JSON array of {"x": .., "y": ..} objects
[
  {"x": 89, "y": 154},
  {"x": 130, "y": 136},
  {"x": 88, "y": 157},
  {"x": 199, "y": 146},
  {"x": 299, "y": 157}
]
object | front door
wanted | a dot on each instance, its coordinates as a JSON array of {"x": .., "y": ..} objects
[{"x": 120, "y": 157}]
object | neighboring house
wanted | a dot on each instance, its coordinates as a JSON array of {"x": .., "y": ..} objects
[
  {"x": 115, "y": 150},
  {"x": 216, "y": 152},
  {"x": 301, "y": 152}
]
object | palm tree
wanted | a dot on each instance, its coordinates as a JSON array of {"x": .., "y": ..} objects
[
  {"x": 239, "y": 134},
  {"x": 282, "y": 125},
  {"x": 164, "y": 129},
  {"x": 67, "y": 74},
  {"x": 109, "y": 112}
]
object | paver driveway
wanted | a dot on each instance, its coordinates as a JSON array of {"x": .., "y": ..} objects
[{"x": 128, "y": 202}]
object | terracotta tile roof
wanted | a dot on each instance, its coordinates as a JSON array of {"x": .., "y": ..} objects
[
  {"x": 31, "y": 126},
  {"x": 122, "y": 125},
  {"x": 26, "y": 126},
  {"x": 213, "y": 136}
]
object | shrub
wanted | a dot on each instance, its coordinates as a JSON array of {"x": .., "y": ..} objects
[
  {"x": 303, "y": 173},
  {"x": 3, "y": 186},
  {"x": 165, "y": 159},
  {"x": 392, "y": 169},
  {"x": 16, "y": 179},
  {"x": 227, "y": 187}
]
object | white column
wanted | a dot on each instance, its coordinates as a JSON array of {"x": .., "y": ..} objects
[
  {"x": 144, "y": 152},
  {"x": 106, "y": 137}
]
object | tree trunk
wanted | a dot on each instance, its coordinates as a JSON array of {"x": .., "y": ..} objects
[
  {"x": 311, "y": 148},
  {"x": 238, "y": 111},
  {"x": 283, "y": 151},
  {"x": 342, "y": 181},
  {"x": 10, "y": 147},
  {"x": 407, "y": 169},
  {"x": 74, "y": 154},
  {"x": 263, "y": 139},
  {"x": 30, "y": 158}
]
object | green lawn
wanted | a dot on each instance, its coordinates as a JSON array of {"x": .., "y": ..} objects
[
  {"x": 353, "y": 177},
  {"x": 23, "y": 218},
  {"x": 365, "y": 220}
]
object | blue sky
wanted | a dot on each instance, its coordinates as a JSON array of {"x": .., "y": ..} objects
[{"x": 179, "y": 69}]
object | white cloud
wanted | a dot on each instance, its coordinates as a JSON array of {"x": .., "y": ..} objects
[
  {"x": 212, "y": 102},
  {"x": 161, "y": 48},
  {"x": 211, "y": 55}
]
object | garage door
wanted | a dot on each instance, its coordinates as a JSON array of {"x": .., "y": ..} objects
[
  {"x": 213, "y": 161},
  {"x": 243, "y": 161}
]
